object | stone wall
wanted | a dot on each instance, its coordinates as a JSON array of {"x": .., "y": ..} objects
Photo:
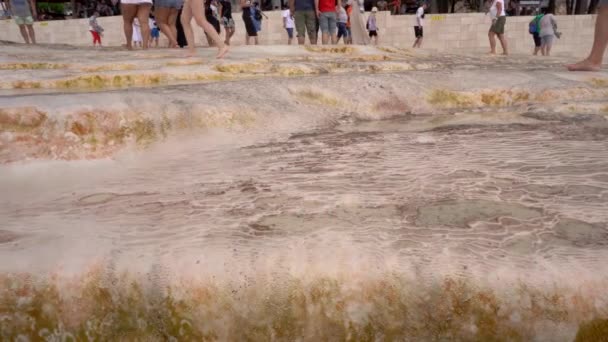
[{"x": 445, "y": 33}]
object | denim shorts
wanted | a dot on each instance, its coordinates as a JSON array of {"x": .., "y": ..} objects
[
  {"x": 177, "y": 4},
  {"x": 327, "y": 22}
]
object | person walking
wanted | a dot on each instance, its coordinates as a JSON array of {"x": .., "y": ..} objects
[
  {"x": 548, "y": 32},
  {"x": 288, "y": 24},
  {"x": 227, "y": 20},
  {"x": 211, "y": 14},
  {"x": 304, "y": 14},
  {"x": 499, "y": 19},
  {"x": 257, "y": 16},
  {"x": 132, "y": 9},
  {"x": 326, "y": 13},
  {"x": 372, "y": 26},
  {"x": 154, "y": 31},
  {"x": 24, "y": 14},
  {"x": 166, "y": 13},
  {"x": 95, "y": 29},
  {"x": 600, "y": 40},
  {"x": 137, "y": 38},
  {"x": 195, "y": 9},
  {"x": 349, "y": 12},
  {"x": 419, "y": 27},
  {"x": 251, "y": 31},
  {"x": 534, "y": 29},
  {"x": 342, "y": 22}
]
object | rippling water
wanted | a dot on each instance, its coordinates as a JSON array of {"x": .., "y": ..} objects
[
  {"x": 308, "y": 225},
  {"x": 368, "y": 201}
]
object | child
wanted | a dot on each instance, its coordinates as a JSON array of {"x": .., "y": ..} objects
[
  {"x": 349, "y": 11},
  {"x": 154, "y": 31},
  {"x": 288, "y": 24},
  {"x": 95, "y": 29},
  {"x": 342, "y": 22},
  {"x": 372, "y": 27},
  {"x": 548, "y": 31},
  {"x": 137, "y": 33}
]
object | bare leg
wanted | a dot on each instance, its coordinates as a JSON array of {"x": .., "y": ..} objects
[
  {"x": 229, "y": 34},
  {"x": 324, "y": 38},
  {"x": 255, "y": 40},
  {"x": 162, "y": 18},
  {"x": 32, "y": 34},
  {"x": 334, "y": 39},
  {"x": 24, "y": 34},
  {"x": 503, "y": 44},
  {"x": 128, "y": 14},
  {"x": 302, "y": 40},
  {"x": 143, "y": 13},
  {"x": 548, "y": 50},
  {"x": 186, "y": 19},
  {"x": 196, "y": 9},
  {"x": 173, "y": 24},
  {"x": 536, "y": 50},
  {"x": 492, "y": 37},
  {"x": 600, "y": 41}
]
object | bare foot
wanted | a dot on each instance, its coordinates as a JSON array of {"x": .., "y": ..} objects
[
  {"x": 584, "y": 66},
  {"x": 505, "y": 53},
  {"x": 222, "y": 52},
  {"x": 191, "y": 53}
]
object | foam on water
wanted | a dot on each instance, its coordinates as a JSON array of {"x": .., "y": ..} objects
[{"x": 352, "y": 214}]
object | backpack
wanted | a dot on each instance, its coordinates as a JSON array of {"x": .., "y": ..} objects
[{"x": 534, "y": 25}]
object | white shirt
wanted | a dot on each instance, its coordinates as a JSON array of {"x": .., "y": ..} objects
[
  {"x": 289, "y": 22},
  {"x": 494, "y": 9},
  {"x": 419, "y": 18}
]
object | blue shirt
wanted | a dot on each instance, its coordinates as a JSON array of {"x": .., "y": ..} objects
[
  {"x": 21, "y": 8},
  {"x": 305, "y": 5}
]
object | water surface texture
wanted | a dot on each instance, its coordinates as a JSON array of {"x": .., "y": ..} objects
[{"x": 413, "y": 200}]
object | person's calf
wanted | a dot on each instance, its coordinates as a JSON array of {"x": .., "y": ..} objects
[{"x": 31, "y": 33}]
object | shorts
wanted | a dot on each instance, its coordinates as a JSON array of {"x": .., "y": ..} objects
[
  {"x": 327, "y": 22},
  {"x": 537, "y": 40},
  {"x": 373, "y": 33},
  {"x": 289, "y": 32},
  {"x": 419, "y": 31},
  {"x": 498, "y": 25},
  {"x": 228, "y": 22},
  {"x": 155, "y": 32},
  {"x": 24, "y": 20},
  {"x": 547, "y": 40},
  {"x": 342, "y": 31},
  {"x": 306, "y": 22},
  {"x": 249, "y": 26},
  {"x": 177, "y": 4}
]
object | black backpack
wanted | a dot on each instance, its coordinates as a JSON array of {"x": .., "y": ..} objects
[{"x": 258, "y": 15}]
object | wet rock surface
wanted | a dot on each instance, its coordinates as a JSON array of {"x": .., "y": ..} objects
[{"x": 308, "y": 180}]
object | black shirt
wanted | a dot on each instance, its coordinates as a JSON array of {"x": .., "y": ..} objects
[{"x": 226, "y": 9}]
